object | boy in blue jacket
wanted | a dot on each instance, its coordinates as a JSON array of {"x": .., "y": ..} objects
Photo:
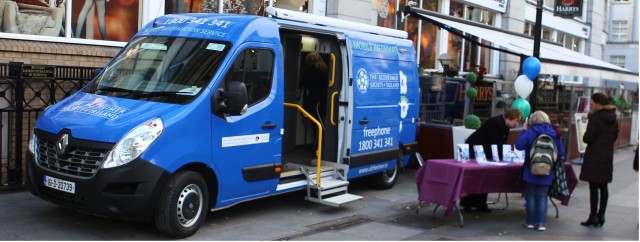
[{"x": 537, "y": 185}]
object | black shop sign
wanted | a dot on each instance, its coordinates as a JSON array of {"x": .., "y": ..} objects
[{"x": 568, "y": 8}]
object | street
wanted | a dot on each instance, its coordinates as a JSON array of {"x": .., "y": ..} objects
[{"x": 382, "y": 215}]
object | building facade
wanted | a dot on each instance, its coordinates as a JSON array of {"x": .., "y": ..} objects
[{"x": 622, "y": 39}]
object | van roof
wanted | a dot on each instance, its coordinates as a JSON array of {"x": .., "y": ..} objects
[{"x": 233, "y": 28}]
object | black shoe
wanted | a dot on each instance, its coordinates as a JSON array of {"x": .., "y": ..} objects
[
  {"x": 592, "y": 221},
  {"x": 600, "y": 220}
]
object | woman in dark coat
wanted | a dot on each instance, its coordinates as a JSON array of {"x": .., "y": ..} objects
[{"x": 597, "y": 168}]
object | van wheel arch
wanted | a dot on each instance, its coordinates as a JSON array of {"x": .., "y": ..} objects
[
  {"x": 386, "y": 179},
  {"x": 209, "y": 176},
  {"x": 175, "y": 214}
]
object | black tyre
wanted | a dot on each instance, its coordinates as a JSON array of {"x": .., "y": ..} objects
[
  {"x": 385, "y": 179},
  {"x": 183, "y": 205}
]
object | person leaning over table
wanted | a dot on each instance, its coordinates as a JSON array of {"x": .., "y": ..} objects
[
  {"x": 597, "y": 168},
  {"x": 494, "y": 131},
  {"x": 537, "y": 185}
]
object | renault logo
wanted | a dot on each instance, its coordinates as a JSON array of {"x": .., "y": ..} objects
[{"x": 61, "y": 145}]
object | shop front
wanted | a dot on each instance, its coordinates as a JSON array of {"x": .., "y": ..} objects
[{"x": 566, "y": 76}]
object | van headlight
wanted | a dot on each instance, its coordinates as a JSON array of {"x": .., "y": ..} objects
[
  {"x": 32, "y": 143},
  {"x": 134, "y": 143}
]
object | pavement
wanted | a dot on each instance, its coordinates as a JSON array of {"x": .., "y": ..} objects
[{"x": 382, "y": 215}]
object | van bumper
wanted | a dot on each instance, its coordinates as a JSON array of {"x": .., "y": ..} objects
[{"x": 129, "y": 192}]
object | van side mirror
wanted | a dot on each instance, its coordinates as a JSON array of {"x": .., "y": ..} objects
[{"x": 232, "y": 101}]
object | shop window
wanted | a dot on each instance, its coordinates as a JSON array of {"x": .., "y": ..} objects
[
  {"x": 116, "y": 20},
  {"x": 455, "y": 49},
  {"x": 428, "y": 35},
  {"x": 253, "y": 7},
  {"x": 484, "y": 64},
  {"x": 385, "y": 10},
  {"x": 619, "y": 31},
  {"x": 617, "y": 60}
]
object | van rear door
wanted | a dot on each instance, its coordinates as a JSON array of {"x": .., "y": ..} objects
[{"x": 379, "y": 103}]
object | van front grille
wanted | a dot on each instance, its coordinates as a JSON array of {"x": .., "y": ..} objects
[{"x": 81, "y": 162}]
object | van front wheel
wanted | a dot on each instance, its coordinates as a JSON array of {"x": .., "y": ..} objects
[
  {"x": 385, "y": 179},
  {"x": 183, "y": 205}
]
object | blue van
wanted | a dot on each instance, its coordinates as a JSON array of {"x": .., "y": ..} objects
[{"x": 199, "y": 112}]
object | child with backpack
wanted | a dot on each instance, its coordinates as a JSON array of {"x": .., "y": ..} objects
[{"x": 544, "y": 150}]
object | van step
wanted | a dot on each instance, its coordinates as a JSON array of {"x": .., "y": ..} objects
[
  {"x": 336, "y": 201},
  {"x": 332, "y": 188},
  {"x": 291, "y": 170},
  {"x": 329, "y": 183}
]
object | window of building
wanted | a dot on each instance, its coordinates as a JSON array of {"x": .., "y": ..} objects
[
  {"x": 621, "y": 1},
  {"x": 560, "y": 38},
  {"x": 468, "y": 57},
  {"x": 617, "y": 60},
  {"x": 385, "y": 10},
  {"x": 619, "y": 31},
  {"x": 528, "y": 28},
  {"x": 546, "y": 33},
  {"x": 549, "y": 4},
  {"x": 428, "y": 35},
  {"x": 572, "y": 42}
]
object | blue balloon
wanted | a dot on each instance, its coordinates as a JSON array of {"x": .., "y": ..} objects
[{"x": 531, "y": 67}]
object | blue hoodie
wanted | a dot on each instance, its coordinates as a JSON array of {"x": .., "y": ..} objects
[{"x": 524, "y": 142}]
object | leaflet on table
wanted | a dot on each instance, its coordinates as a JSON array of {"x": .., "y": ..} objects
[
  {"x": 494, "y": 153},
  {"x": 507, "y": 153},
  {"x": 462, "y": 153},
  {"x": 479, "y": 152},
  {"x": 491, "y": 163},
  {"x": 518, "y": 156}
]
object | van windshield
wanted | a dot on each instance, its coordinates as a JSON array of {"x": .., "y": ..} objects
[{"x": 161, "y": 69}]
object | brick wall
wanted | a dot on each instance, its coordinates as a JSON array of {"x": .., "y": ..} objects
[{"x": 58, "y": 54}]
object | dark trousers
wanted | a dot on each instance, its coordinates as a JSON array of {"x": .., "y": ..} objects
[
  {"x": 598, "y": 192},
  {"x": 479, "y": 201}
]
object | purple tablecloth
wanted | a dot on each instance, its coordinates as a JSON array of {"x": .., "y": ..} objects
[{"x": 444, "y": 182}]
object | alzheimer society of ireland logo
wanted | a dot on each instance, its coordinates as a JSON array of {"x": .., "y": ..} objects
[{"x": 362, "y": 80}]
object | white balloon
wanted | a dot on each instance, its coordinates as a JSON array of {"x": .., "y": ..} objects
[{"x": 523, "y": 86}]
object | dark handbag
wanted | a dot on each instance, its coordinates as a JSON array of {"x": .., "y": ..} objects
[{"x": 559, "y": 188}]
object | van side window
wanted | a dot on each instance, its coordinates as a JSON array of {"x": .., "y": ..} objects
[{"x": 254, "y": 67}]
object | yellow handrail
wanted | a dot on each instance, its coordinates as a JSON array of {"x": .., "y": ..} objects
[
  {"x": 332, "y": 100},
  {"x": 319, "y": 151},
  {"x": 333, "y": 70}
]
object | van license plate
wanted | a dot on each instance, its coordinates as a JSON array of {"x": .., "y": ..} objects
[{"x": 59, "y": 184}]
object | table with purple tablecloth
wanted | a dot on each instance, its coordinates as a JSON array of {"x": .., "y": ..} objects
[{"x": 445, "y": 181}]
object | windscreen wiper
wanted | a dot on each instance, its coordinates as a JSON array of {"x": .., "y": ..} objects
[
  {"x": 160, "y": 94},
  {"x": 114, "y": 89}
]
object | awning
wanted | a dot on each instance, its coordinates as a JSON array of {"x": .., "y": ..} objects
[{"x": 555, "y": 59}]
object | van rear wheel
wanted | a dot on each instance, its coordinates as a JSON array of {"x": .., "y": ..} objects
[
  {"x": 385, "y": 179},
  {"x": 183, "y": 205}
]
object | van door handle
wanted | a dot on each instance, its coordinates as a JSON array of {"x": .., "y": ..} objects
[
  {"x": 364, "y": 121},
  {"x": 268, "y": 126}
]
